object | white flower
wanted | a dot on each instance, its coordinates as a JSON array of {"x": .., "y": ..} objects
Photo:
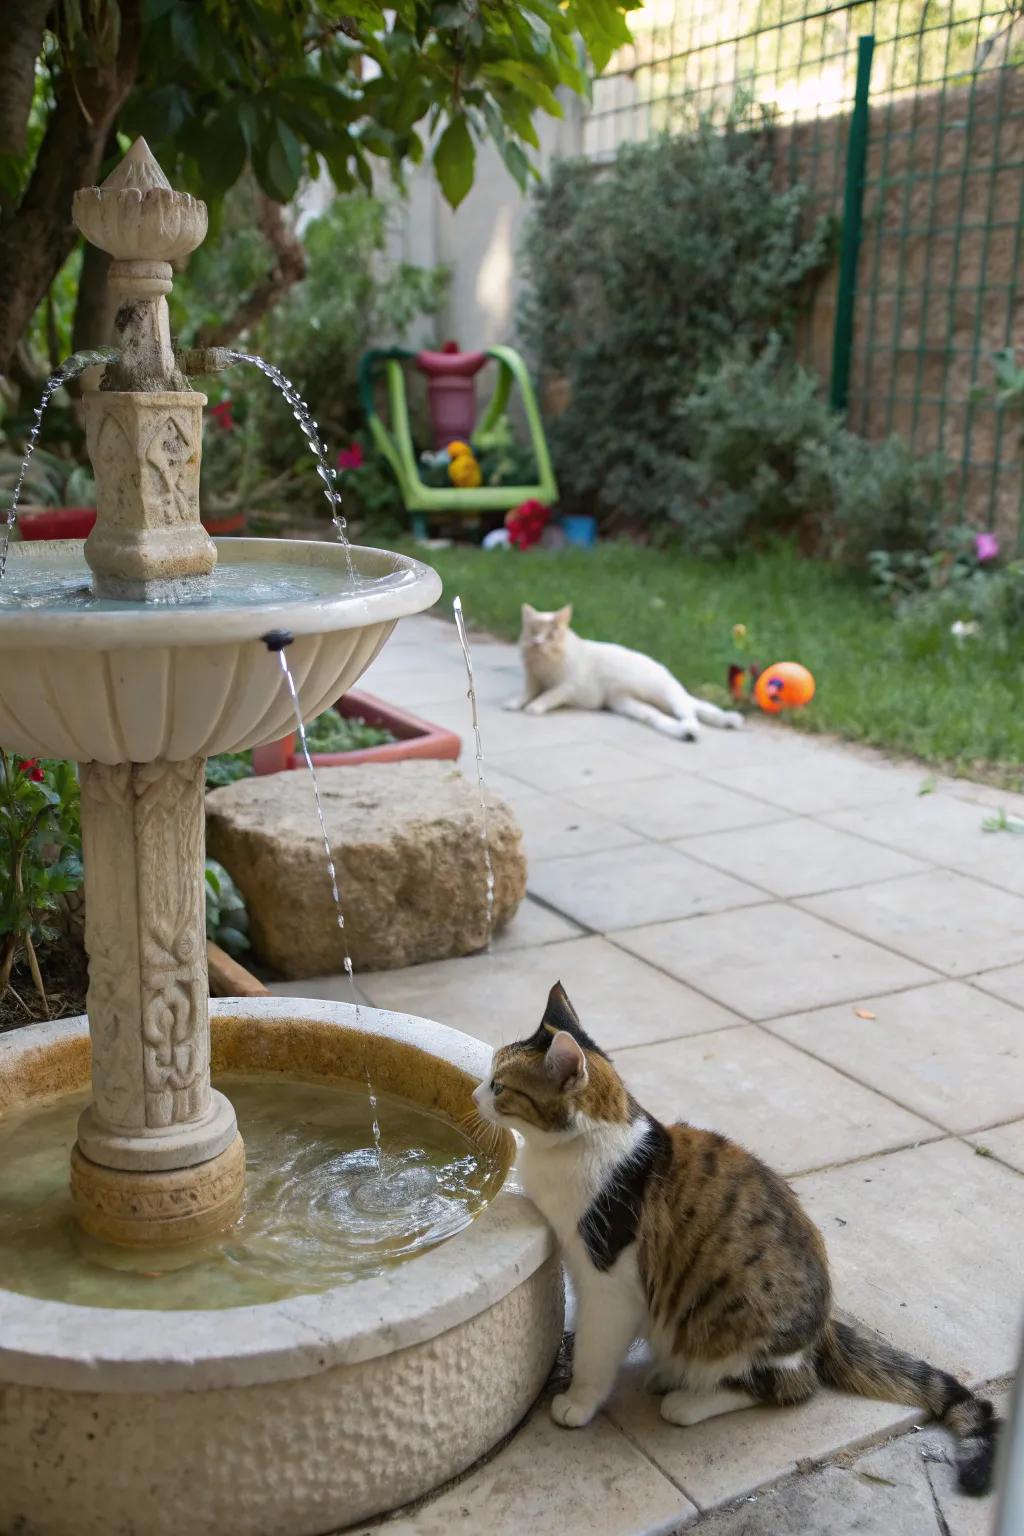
[{"x": 963, "y": 629}]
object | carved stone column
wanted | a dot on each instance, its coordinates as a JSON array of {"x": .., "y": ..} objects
[{"x": 153, "y": 1113}]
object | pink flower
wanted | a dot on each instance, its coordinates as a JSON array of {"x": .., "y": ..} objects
[
  {"x": 986, "y": 546},
  {"x": 351, "y": 457},
  {"x": 223, "y": 414}
]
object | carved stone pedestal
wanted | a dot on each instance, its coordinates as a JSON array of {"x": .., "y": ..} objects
[{"x": 158, "y": 1158}]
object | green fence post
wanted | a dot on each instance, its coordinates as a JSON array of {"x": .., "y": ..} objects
[{"x": 853, "y": 199}]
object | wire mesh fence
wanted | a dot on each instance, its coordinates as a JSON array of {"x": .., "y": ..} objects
[{"x": 939, "y": 191}]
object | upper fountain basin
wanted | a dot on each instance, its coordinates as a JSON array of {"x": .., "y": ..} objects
[{"x": 112, "y": 682}]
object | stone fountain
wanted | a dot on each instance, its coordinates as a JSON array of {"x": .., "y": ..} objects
[{"x": 139, "y": 654}]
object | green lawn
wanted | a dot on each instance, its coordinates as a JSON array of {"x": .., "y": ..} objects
[{"x": 948, "y": 704}]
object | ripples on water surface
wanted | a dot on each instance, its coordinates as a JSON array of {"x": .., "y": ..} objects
[
  {"x": 316, "y": 1214},
  {"x": 65, "y": 584}
]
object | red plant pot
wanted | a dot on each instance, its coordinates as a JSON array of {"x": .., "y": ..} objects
[
  {"x": 57, "y": 523},
  {"x": 231, "y": 522},
  {"x": 415, "y": 739}
]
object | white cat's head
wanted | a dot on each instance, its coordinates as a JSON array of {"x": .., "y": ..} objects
[{"x": 545, "y": 632}]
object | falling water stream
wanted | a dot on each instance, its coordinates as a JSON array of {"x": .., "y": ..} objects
[
  {"x": 391, "y": 1189},
  {"x": 460, "y": 625},
  {"x": 311, "y": 431},
  {"x": 70, "y": 368}
]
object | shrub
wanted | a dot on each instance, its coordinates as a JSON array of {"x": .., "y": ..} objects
[
  {"x": 639, "y": 276},
  {"x": 769, "y": 457},
  {"x": 40, "y": 855}
]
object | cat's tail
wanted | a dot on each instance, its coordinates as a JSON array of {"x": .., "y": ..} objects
[{"x": 857, "y": 1362}]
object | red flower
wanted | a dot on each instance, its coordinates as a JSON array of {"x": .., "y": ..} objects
[
  {"x": 351, "y": 457},
  {"x": 450, "y": 347},
  {"x": 30, "y": 765},
  {"x": 526, "y": 523},
  {"x": 223, "y": 414}
]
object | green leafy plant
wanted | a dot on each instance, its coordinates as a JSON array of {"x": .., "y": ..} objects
[
  {"x": 290, "y": 91},
  {"x": 334, "y": 732},
  {"x": 51, "y": 481},
  {"x": 769, "y": 457},
  {"x": 40, "y": 856},
  {"x": 351, "y": 294},
  {"x": 228, "y": 768},
  {"x": 639, "y": 277},
  {"x": 227, "y": 921}
]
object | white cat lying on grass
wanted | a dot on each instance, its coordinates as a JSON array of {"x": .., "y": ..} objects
[{"x": 564, "y": 671}]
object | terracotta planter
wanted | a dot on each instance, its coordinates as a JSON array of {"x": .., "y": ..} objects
[
  {"x": 57, "y": 522},
  {"x": 230, "y": 522},
  {"x": 416, "y": 738}
]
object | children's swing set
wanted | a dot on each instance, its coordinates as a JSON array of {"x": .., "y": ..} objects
[{"x": 451, "y": 396}]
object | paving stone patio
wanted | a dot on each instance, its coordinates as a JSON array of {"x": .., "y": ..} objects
[{"x": 819, "y": 953}]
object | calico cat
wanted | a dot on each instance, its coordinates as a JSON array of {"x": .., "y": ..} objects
[
  {"x": 561, "y": 669},
  {"x": 681, "y": 1237}
]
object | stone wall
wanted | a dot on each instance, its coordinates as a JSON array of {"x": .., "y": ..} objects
[{"x": 936, "y": 282}]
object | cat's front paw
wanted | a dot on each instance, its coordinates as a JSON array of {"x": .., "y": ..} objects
[
  {"x": 733, "y": 720},
  {"x": 514, "y": 704},
  {"x": 569, "y": 1413},
  {"x": 536, "y": 708}
]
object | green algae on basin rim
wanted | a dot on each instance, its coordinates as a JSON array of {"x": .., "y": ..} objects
[{"x": 313, "y": 1216}]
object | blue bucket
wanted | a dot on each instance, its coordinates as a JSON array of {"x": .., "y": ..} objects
[{"x": 580, "y": 530}]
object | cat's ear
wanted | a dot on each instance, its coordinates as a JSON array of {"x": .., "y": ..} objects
[
  {"x": 566, "y": 1063},
  {"x": 528, "y": 614},
  {"x": 560, "y": 1013},
  {"x": 564, "y": 616}
]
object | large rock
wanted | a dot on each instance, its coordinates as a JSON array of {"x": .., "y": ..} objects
[{"x": 405, "y": 838}]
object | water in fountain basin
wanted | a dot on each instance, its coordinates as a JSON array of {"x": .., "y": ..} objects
[
  {"x": 460, "y": 625},
  {"x": 311, "y": 432},
  {"x": 70, "y": 368},
  {"x": 382, "y": 1176},
  {"x": 314, "y": 1215},
  {"x": 62, "y": 581}
]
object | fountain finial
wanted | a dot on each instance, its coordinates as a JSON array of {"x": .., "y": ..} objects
[
  {"x": 139, "y": 168},
  {"x": 144, "y": 424}
]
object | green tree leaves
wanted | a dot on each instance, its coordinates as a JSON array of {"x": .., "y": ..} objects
[{"x": 454, "y": 161}]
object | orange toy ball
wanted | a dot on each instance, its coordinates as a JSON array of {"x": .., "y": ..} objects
[{"x": 786, "y": 685}]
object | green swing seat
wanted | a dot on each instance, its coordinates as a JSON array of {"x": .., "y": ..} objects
[{"x": 396, "y": 444}]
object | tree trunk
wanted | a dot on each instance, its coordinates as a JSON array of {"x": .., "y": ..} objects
[
  {"x": 289, "y": 268},
  {"x": 37, "y": 239},
  {"x": 24, "y": 23}
]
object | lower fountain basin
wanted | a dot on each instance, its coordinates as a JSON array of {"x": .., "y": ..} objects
[
  {"x": 113, "y": 682},
  {"x": 295, "y": 1417}
]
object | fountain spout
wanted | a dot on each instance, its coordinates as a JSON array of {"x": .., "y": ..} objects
[{"x": 144, "y": 424}]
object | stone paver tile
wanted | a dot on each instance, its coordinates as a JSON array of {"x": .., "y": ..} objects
[
  {"x": 534, "y": 925},
  {"x": 418, "y": 691},
  {"x": 501, "y": 996},
  {"x": 1007, "y": 983},
  {"x": 730, "y": 1457},
  {"x": 800, "y": 857},
  {"x": 756, "y": 743},
  {"x": 573, "y": 766},
  {"x": 833, "y": 1502},
  {"x": 945, "y": 1051},
  {"x": 1005, "y": 1142},
  {"x": 554, "y": 1482},
  {"x": 330, "y": 989},
  {"x": 673, "y": 805},
  {"x": 623, "y": 887},
  {"x": 927, "y": 1247},
  {"x": 943, "y": 919},
  {"x": 826, "y": 779},
  {"x": 771, "y": 960},
  {"x": 554, "y": 828},
  {"x": 791, "y": 1110},
  {"x": 936, "y": 828}
]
